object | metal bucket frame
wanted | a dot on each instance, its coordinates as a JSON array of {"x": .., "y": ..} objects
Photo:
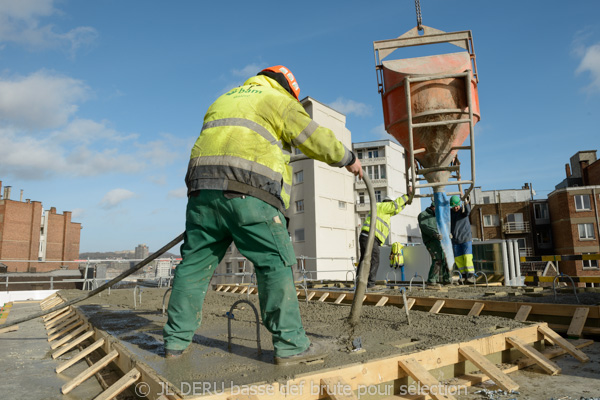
[{"x": 464, "y": 40}]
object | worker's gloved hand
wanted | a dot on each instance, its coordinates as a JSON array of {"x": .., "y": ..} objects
[
  {"x": 355, "y": 168},
  {"x": 438, "y": 236},
  {"x": 451, "y": 236}
]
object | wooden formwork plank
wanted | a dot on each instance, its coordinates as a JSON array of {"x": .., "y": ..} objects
[
  {"x": 87, "y": 351},
  {"x": 323, "y": 297},
  {"x": 234, "y": 289},
  {"x": 226, "y": 288},
  {"x": 49, "y": 317},
  {"x": 68, "y": 337},
  {"x": 416, "y": 371},
  {"x": 69, "y": 328},
  {"x": 9, "y": 329},
  {"x": 560, "y": 341},
  {"x": 495, "y": 374},
  {"x": 62, "y": 317},
  {"x": 251, "y": 290},
  {"x": 340, "y": 298},
  {"x": 243, "y": 397},
  {"x": 547, "y": 365},
  {"x": 410, "y": 303},
  {"x": 71, "y": 345},
  {"x": 51, "y": 304},
  {"x": 45, "y": 299},
  {"x": 119, "y": 386},
  {"x": 382, "y": 301},
  {"x": 311, "y": 295},
  {"x": 244, "y": 290},
  {"x": 337, "y": 388},
  {"x": 523, "y": 313},
  {"x": 437, "y": 306},
  {"x": 219, "y": 287},
  {"x": 578, "y": 321},
  {"x": 476, "y": 309},
  {"x": 107, "y": 359},
  {"x": 64, "y": 323}
]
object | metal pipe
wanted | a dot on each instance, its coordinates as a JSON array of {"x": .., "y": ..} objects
[{"x": 505, "y": 263}]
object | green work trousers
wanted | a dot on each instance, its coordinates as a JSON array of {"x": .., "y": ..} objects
[
  {"x": 438, "y": 263},
  {"x": 259, "y": 231}
]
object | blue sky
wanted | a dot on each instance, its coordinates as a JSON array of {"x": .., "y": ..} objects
[{"x": 100, "y": 102}]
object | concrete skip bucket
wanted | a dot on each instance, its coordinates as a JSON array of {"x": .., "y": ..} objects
[{"x": 430, "y": 105}]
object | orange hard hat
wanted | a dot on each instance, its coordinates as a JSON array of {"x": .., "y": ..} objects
[{"x": 289, "y": 77}]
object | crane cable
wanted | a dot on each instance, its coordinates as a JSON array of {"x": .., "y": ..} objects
[{"x": 418, "y": 8}]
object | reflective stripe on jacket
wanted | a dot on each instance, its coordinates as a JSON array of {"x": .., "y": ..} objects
[
  {"x": 247, "y": 137},
  {"x": 385, "y": 211},
  {"x": 396, "y": 255}
]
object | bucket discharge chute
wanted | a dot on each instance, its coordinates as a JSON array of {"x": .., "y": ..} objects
[{"x": 430, "y": 105}]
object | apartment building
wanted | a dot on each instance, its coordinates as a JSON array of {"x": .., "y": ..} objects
[
  {"x": 503, "y": 214},
  {"x": 322, "y": 222},
  {"x": 573, "y": 207},
  {"x": 384, "y": 161},
  {"x": 28, "y": 232}
]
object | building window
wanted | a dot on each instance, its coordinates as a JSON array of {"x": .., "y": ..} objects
[
  {"x": 582, "y": 202},
  {"x": 230, "y": 249},
  {"x": 299, "y": 235},
  {"x": 359, "y": 154},
  {"x": 543, "y": 238},
  {"x": 342, "y": 205},
  {"x": 586, "y": 231},
  {"x": 361, "y": 197},
  {"x": 590, "y": 263},
  {"x": 297, "y": 151},
  {"x": 378, "y": 196},
  {"x": 382, "y": 171},
  {"x": 540, "y": 210},
  {"x": 240, "y": 266},
  {"x": 299, "y": 177},
  {"x": 300, "y": 206},
  {"x": 373, "y": 153},
  {"x": 228, "y": 269},
  {"x": 486, "y": 199},
  {"x": 491, "y": 220}
]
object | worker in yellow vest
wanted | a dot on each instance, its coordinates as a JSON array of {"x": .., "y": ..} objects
[
  {"x": 239, "y": 182},
  {"x": 397, "y": 258},
  {"x": 385, "y": 211}
]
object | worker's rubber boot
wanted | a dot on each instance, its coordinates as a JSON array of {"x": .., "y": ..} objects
[
  {"x": 471, "y": 278},
  {"x": 315, "y": 352},
  {"x": 171, "y": 354}
]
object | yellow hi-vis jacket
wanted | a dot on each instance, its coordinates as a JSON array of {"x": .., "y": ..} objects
[
  {"x": 245, "y": 142},
  {"x": 396, "y": 255},
  {"x": 385, "y": 211}
]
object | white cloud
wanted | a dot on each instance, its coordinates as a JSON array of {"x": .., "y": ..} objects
[
  {"x": 248, "y": 71},
  {"x": 179, "y": 193},
  {"x": 115, "y": 197},
  {"x": 347, "y": 107},
  {"x": 590, "y": 62},
  {"x": 41, "y": 100},
  {"x": 78, "y": 213},
  {"x": 20, "y": 23},
  {"x": 379, "y": 132}
]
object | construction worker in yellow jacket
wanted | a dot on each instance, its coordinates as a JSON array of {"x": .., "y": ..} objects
[
  {"x": 385, "y": 211},
  {"x": 239, "y": 182}
]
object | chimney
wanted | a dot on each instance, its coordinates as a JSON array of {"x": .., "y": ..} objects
[
  {"x": 7, "y": 192},
  {"x": 525, "y": 185},
  {"x": 0, "y": 190},
  {"x": 21, "y": 199},
  {"x": 52, "y": 210},
  {"x": 568, "y": 170}
]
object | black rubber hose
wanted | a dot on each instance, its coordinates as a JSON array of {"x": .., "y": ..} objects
[{"x": 94, "y": 292}]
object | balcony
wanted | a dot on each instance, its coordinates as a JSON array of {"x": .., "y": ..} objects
[
  {"x": 373, "y": 161},
  {"x": 516, "y": 227},
  {"x": 363, "y": 207},
  {"x": 375, "y": 182}
]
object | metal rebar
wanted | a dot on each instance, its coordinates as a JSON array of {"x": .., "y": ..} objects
[{"x": 230, "y": 317}]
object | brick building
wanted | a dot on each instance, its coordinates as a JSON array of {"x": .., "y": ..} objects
[
  {"x": 574, "y": 213},
  {"x": 503, "y": 214},
  {"x": 28, "y": 232}
]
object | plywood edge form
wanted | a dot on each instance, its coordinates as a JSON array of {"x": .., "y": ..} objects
[{"x": 386, "y": 370}]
